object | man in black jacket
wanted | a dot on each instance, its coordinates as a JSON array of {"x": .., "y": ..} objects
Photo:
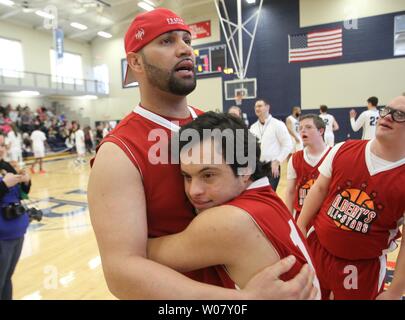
[{"x": 12, "y": 226}]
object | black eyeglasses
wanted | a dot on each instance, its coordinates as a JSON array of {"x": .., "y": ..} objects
[{"x": 397, "y": 115}]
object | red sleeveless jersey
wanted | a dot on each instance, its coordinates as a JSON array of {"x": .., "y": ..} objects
[
  {"x": 275, "y": 221},
  {"x": 168, "y": 209},
  {"x": 360, "y": 215},
  {"x": 306, "y": 176}
]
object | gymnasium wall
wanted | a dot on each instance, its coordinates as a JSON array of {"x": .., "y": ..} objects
[
  {"x": 36, "y": 45},
  {"x": 367, "y": 67},
  {"x": 316, "y": 12},
  {"x": 350, "y": 84}
]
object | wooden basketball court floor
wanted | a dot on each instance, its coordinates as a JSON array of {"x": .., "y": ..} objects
[{"x": 60, "y": 258}]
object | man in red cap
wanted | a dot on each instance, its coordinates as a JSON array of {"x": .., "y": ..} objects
[{"x": 134, "y": 195}]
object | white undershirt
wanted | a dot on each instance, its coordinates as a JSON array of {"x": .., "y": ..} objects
[
  {"x": 374, "y": 164},
  {"x": 311, "y": 160}
]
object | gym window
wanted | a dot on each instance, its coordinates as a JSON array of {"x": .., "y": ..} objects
[
  {"x": 399, "y": 35},
  {"x": 11, "y": 58},
  {"x": 68, "y": 70}
]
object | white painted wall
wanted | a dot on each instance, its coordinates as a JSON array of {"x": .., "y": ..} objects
[
  {"x": 350, "y": 84},
  {"x": 316, "y": 12},
  {"x": 36, "y": 45}
]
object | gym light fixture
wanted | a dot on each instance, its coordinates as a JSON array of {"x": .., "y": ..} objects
[
  {"x": 145, "y": 6},
  {"x": 8, "y": 3},
  {"x": 78, "y": 26},
  {"x": 44, "y": 14},
  {"x": 104, "y": 34}
]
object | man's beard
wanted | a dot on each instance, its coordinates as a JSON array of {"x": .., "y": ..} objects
[{"x": 167, "y": 81}]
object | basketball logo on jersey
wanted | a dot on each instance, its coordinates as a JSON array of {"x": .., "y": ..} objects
[
  {"x": 303, "y": 191},
  {"x": 353, "y": 210}
]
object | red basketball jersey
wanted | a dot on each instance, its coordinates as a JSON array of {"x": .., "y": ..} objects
[
  {"x": 275, "y": 221},
  {"x": 168, "y": 209},
  {"x": 361, "y": 213},
  {"x": 306, "y": 176}
]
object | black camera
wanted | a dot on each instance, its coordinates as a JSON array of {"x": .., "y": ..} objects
[
  {"x": 12, "y": 211},
  {"x": 34, "y": 214},
  {"x": 15, "y": 210}
]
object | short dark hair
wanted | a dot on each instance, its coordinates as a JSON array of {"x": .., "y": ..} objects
[
  {"x": 373, "y": 101},
  {"x": 319, "y": 123},
  {"x": 236, "y": 108},
  {"x": 222, "y": 121},
  {"x": 264, "y": 100},
  {"x": 323, "y": 108},
  {"x": 295, "y": 108}
]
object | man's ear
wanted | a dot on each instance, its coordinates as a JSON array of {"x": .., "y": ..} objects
[
  {"x": 322, "y": 131},
  {"x": 245, "y": 173},
  {"x": 134, "y": 61}
]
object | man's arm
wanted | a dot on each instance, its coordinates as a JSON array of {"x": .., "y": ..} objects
[
  {"x": 335, "y": 125},
  {"x": 313, "y": 202},
  {"x": 217, "y": 234},
  {"x": 290, "y": 129},
  {"x": 213, "y": 232},
  {"x": 357, "y": 124},
  {"x": 118, "y": 215},
  {"x": 397, "y": 288},
  {"x": 290, "y": 189},
  {"x": 290, "y": 194}
]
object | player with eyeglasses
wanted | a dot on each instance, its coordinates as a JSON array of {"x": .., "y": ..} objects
[
  {"x": 397, "y": 115},
  {"x": 358, "y": 206}
]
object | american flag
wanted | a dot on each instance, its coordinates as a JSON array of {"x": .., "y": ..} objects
[{"x": 315, "y": 45}]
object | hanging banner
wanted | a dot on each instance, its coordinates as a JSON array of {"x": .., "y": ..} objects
[
  {"x": 58, "y": 36},
  {"x": 200, "y": 29}
]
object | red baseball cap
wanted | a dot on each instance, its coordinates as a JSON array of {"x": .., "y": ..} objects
[{"x": 148, "y": 26}]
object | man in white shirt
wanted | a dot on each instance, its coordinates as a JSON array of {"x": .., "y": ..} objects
[
  {"x": 38, "y": 147},
  {"x": 79, "y": 142},
  {"x": 292, "y": 124},
  {"x": 331, "y": 125},
  {"x": 367, "y": 119},
  {"x": 274, "y": 139},
  {"x": 14, "y": 145}
]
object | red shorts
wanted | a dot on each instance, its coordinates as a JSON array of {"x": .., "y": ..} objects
[{"x": 347, "y": 279}]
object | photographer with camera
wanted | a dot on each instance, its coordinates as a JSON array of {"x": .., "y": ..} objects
[{"x": 14, "y": 220}]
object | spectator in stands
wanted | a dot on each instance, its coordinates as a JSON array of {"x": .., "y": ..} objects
[
  {"x": 106, "y": 129},
  {"x": 26, "y": 145},
  {"x": 13, "y": 115},
  {"x": 79, "y": 143},
  {"x": 38, "y": 147},
  {"x": 14, "y": 146},
  {"x": 26, "y": 120},
  {"x": 99, "y": 134},
  {"x": 88, "y": 139}
]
